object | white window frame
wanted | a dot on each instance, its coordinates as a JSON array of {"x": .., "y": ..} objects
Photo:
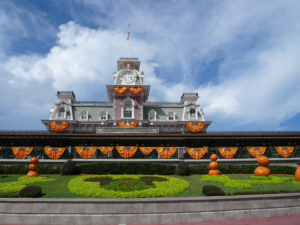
[
  {"x": 84, "y": 113},
  {"x": 122, "y": 108},
  {"x": 149, "y": 115},
  {"x": 60, "y": 115},
  {"x": 195, "y": 114},
  {"x": 171, "y": 116},
  {"x": 101, "y": 115}
]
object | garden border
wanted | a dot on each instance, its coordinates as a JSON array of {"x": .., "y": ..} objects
[{"x": 149, "y": 210}]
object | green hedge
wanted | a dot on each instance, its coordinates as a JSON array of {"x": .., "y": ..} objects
[{"x": 23, "y": 169}]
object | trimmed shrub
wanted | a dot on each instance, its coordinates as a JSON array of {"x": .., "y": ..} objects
[
  {"x": 31, "y": 191},
  {"x": 212, "y": 190},
  {"x": 23, "y": 169},
  {"x": 69, "y": 168},
  {"x": 183, "y": 169}
]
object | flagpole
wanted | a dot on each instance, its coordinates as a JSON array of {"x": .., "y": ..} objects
[{"x": 128, "y": 39}]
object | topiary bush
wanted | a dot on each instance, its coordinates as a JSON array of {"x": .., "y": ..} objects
[
  {"x": 69, "y": 168},
  {"x": 183, "y": 169},
  {"x": 211, "y": 190},
  {"x": 31, "y": 191}
]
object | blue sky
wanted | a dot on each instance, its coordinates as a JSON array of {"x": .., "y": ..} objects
[{"x": 242, "y": 57}]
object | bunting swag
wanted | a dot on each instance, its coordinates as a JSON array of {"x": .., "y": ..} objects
[
  {"x": 146, "y": 150},
  {"x": 85, "y": 152},
  {"x": 285, "y": 151},
  {"x": 227, "y": 152},
  {"x": 197, "y": 153},
  {"x": 126, "y": 151},
  {"x": 195, "y": 127},
  {"x": 166, "y": 152},
  {"x": 135, "y": 90},
  {"x": 22, "y": 152},
  {"x": 128, "y": 125},
  {"x": 106, "y": 149},
  {"x": 59, "y": 126},
  {"x": 120, "y": 90},
  {"x": 256, "y": 151},
  {"x": 53, "y": 152}
]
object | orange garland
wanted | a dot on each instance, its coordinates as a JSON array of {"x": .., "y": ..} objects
[
  {"x": 197, "y": 153},
  {"x": 128, "y": 125},
  {"x": 59, "y": 126},
  {"x": 53, "y": 152},
  {"x": 85, "y": 152},
  {"x": 146, "y": 150},
  {"x": 106, "y": 149},
  {"x": 120, "y": 90},
  {"x": 285, "y": 151},
  {"x": 256, "y": 151},
  {"x": 195, "y": 127},
  {"x": 135, "y": 90},
  {"x": 22, "y": 152},
  {"x": 227, "y": 152},
  {"x": 126, "y": 151},
  {"x": 166, "y": 152}
]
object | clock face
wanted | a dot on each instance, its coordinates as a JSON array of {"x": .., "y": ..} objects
[{"x": 128, "y": 77}]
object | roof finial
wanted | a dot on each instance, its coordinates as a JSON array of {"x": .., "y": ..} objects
[{"x": 128, "y": 39}]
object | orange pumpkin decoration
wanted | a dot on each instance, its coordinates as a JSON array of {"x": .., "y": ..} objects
[
  {"x": 34, "y": 160},
  {"x": 214, "y": 172},
  {"x": 262, "y": 171},
  {"x": 263, "y": 160},
  {"x": 213, "y": 157},
  {"x": 297, "y": 174},
  {"x": 32, "y": 167},
  {"x": 213, "y": 165},
  {"x": 32, "y": 174}
]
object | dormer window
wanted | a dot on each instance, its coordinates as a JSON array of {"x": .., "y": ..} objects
[
  {"x": 128, "y": 108},
  {"x": 61, "y": 113},
  {"x": 171, "y": 116},
  {"x": 103, "y": 115},
  {"x": 193, "y": 114},
  {"x": 152, "y": 115},
  {"x": 84, "y": 115}
]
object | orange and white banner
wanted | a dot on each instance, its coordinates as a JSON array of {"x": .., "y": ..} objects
[
  {"x": 106, "y": 149},
  {"x": 126, "y": 151},
  {"x": 59, "y": 126},
  {"x": 127, "y": 124},
  {"x": 227, "y": 152},
  {"x": 146, "y": 150},
  {"x": 256, "y": 151},
  {"x": 285, "y": 151},
  {"x": 195, "y": 127},
  {"x": 22, "y": 152},
  {"x": 166, "y": 152},
  {"x": 85, "y": 152},
  {"x": 197, "y": 153},
  {"x": 53, "y": 152}
]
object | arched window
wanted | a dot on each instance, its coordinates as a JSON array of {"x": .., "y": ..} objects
[
  {"x": 84, "y": 115},
  {"x": 193, "y": 113},
  {"x": 103, "y": 115},
  {"x": 61, "y": 113},
  {"x": 171, "y": 115},
  {"x": 128, "y": 108},
  {"x": 152, "y": 115}
]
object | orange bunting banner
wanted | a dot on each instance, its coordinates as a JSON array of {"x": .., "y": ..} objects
[
  {"x": 166, "y": 152},
  {"x": 256, "y": 151},
  {"x": 196, "y": 153},
  {"x": 128, "y": 125},
  {"x": 135, "y": 90},
  {"x": 85, "y": 152},
  {"x": 285, "y": 151},
  {"x": 195, "y": 127},
  {"x": 227, "y": 152},
  {"x": 126, "y": 151},
  {"x": 146, "y": 150},
  {"x": 120, "y": 90},
  {"x": 106, "y": 149},
  {"x": 22, "y": 152},
  {"x": 0, "y": 148},
  {"x": 59, "y": 126},
  {"x": 53, "y": 152}
]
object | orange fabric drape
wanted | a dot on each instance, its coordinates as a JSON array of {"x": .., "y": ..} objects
[
  {"x": 120, "y": 90},
  {"x": 130, "y": 125},
  {"x": 256, "y": 151},
  {"x": 126, "y": 151},
  {"x": 197, "y": 153},
  {"x": 22, "y": 152},
  {"x": 285, "y": 151},
  {"x": 146, "y": 150},
  {"x": 135, "y": 90},
  {"x": 166, "y": 152},
  {"x": 85, "y": 152},
  {"x": 0, "y": 148},
  {"x": 195, "y": 127},
  {"x": 106, "y": 149},
  {"x": 59, "y": 126},
  {"x": 53, "y": 152},
  {"x": 227, "y": 152}
]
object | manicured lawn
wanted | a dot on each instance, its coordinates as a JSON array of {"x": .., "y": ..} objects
[{"x": 58, "y": 187}]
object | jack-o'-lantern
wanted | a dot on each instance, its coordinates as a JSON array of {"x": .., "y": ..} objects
[
  {"x": 214, "y": 172},
  {"x": 32, "y": 174},
  {"x": 263, "y": 160},
  {"x": 297, "y": 174},
  {"x": 34, "y": 160},
  {"x": 32, "y": 167},
  {"x": 213, "y": 157},
  {"x": 213, "y": 165},
  {"x": 262, "y": 171}
]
